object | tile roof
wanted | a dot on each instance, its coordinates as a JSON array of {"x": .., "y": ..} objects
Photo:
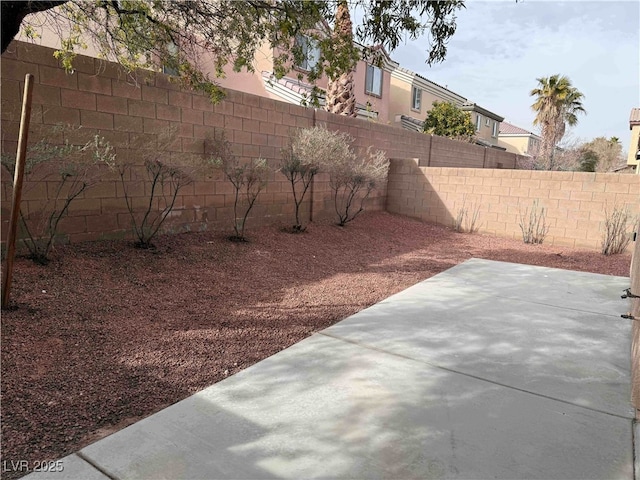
[
  {"x": 409, "y": 72},
  {"x": 508, "y": 129},
  {"x": 304, "y": 90},
  {"x": 297, "y": 86},
  {"x": 411, "y": 123},
  {"x": 634, "y": 118},
  {"x": 474, "y": 107}
]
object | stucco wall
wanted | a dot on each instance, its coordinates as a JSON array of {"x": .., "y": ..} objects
[
  {"x": 634, "y": 146},
  {"x": 517, "y": 145}
]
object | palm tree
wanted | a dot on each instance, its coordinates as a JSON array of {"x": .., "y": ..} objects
[
  {"x": 557, "y": 105},
  {"x": 340, "y": 97}
]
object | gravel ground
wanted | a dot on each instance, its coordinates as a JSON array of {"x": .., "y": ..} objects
[{"x": 107, "y": 334}]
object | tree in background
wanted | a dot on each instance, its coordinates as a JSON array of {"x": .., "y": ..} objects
[
  {"x": 598, "y": 155},
  {"x": 557, "y": 104},
  {"x": 447, "y": 120},
  {"x": 183, "y": 35},
  {"x": 340, "y": 97},
  {"x": 588, "y": 160},
  {"x": 608, "y": 153}
]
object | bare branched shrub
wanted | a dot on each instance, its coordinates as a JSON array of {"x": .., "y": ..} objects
[
  {"x": 161, "y": 178},
  {"x": 72, "y": 168},
  {"x": 467, "y": 217},
  {"x": 248, "y": 180},
  {"x": 308, "y": 149},
  {"x": 352, "y": 179},
  {"x": 533, "y": 224},
  {"x": 617, "y": 224}
]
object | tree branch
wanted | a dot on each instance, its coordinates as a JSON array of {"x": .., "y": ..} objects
[{"x": 13, "y": 13}]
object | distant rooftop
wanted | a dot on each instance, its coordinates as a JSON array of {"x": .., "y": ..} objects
[
  {"x": 509, "y": 129},
  {"x": 295, "y": 91},
  {"x": 410, "y": 72},
  {"x": 474, "y": 107}
]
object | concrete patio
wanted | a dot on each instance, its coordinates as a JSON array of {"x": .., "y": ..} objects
[{"x": 488, "y": 370}]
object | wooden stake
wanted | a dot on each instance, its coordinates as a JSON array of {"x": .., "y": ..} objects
[{"x": 25, "y": 118}]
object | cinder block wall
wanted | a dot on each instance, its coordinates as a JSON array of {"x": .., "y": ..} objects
[
  {"x": 130, "y": 112},
  {"x": 575, "y": 202}
]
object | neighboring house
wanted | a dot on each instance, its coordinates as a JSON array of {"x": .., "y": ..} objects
[
  {"x": 412, "y": 96},
  {"x": 295, "y": 91},
  {"x": 487, "y": 125},
  {"x": 518, "y": 140},
  {"x": 633, "y": 159},
  {"x": 372, "y": 83}
]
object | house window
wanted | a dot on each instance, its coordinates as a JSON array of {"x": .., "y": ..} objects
[
  {"x": 478, "y": 122},
  {"x": 310, "y": 52},
  {"x": 167, "y": 70},
  {"x": 487, "y": 122},
  {"x": 495, "y": 129},
  {"x": 373, "y": 81},
  {"x": 416, "y": 98},
  {"x": 172, "y": 70}
]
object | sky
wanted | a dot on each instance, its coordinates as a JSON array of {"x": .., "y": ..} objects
[{"x": 500, "y": 47}]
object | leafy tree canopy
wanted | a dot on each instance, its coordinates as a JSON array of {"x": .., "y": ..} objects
[
  {"x": 588, "y": 161},
  {"x": 183, "y": 35},
  {"x": 448, "y": 120},
  {"x": 607, "y": 151}
]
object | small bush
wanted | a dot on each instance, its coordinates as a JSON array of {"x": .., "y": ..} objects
[
  {"x": 352, "y": 180},
  {"x": 248, "y": 180},
  {"x": 162, "y": 177},
  {"x": 72, "y": 168},
  {"x": 533, "y": 224},
  {"x": 616, "y": 235},
  {"x": 301, "y": 161},
  {"x": 467, "y": 218}
]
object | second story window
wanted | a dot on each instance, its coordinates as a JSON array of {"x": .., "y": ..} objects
[
  {"x": 478, "y": 122},
  {"x": 172, "y": 50},
  {"x": 416, "y": 98},
  {"x": 495, "y": 129},
  {"x": 310, "y": 52},
  {"x": 373, "y": 81}
]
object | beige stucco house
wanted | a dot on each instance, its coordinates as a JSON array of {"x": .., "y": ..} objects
[
  {"x": 633, "y": 159},
  {"x": 518, "y": 140},
  {"x": 412, "y": 96},
  {"x": 487, "y": 124}
]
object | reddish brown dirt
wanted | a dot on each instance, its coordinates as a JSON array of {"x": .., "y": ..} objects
[{"x": 107, "y": 334}]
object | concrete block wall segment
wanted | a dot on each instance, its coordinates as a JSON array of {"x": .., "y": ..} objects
[
  {"x": 129, "y": 109},
  {"x": 575, "y": 202}
]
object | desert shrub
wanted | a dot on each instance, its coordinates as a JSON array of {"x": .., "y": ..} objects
[
  {"x": 533, "y": 224},
  {"x": 616, "y": 235},
  {"x": 161, "y": 177},
  {"x": 353, "y": 178},
  {"x": 308, "y": 149},
  {"x": 72, "y": 167},
  {"x": 467, "y": 217},
  {"x": 248, "y": 180}
]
